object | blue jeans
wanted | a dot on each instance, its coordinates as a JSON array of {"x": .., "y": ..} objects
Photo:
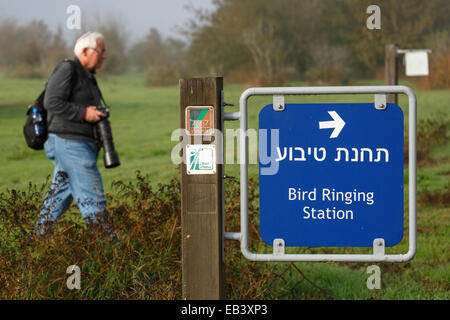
[{"x": 75, "y": 177}]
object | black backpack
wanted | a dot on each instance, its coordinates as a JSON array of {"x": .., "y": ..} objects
[{"x": 35, "y": 140}]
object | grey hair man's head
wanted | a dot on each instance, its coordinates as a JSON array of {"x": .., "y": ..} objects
[{"x": 90, "y": 50}]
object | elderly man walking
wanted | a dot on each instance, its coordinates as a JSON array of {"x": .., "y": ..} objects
[{"x": 71, "y": 99}]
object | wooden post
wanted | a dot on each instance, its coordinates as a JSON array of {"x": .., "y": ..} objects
[
  {"x": 203, "y": 269},
  {"x": 391, "y": 70}
]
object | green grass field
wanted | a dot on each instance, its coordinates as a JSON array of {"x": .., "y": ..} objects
[{"x": 143, "y": 119}]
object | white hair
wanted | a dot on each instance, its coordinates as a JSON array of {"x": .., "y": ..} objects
[{"x": 87, "y": 40}]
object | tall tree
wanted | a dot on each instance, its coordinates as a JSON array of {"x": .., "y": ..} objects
[
  {"x": 271, "y": 36},
  {"x": 162, "y": 58}
]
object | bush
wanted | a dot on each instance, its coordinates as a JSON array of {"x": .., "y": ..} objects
[
  {"x": 146, "y": 264},
  {"x": 430, "y": 133},
  {"x": 440, "y": 72}
]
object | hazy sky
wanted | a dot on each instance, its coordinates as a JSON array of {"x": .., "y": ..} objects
[{"x": 138, "y": 15}]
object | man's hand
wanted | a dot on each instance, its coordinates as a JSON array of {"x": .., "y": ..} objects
[{"x": 92, "y": 114}]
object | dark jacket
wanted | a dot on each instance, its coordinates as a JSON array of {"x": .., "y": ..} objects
[{"x": 70, "y": 89}]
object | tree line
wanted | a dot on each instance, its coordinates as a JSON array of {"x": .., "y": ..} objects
[
  {"x": 258, "y": 41},
  {"x": 315, "y": 40}
]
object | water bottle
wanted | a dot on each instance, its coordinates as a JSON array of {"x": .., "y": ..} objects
[{"x": 37, "y": 122}]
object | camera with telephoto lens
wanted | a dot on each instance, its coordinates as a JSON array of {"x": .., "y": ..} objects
[{"x": 103, "y": 127}]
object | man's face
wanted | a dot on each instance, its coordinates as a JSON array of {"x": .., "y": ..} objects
[{"x": 95, "y": 57}]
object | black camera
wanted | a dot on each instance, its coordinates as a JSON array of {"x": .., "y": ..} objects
[{"x": 103, "y": 127}]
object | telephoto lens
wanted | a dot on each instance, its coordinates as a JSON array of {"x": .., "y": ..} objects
[{"x": 110, "y": 156}]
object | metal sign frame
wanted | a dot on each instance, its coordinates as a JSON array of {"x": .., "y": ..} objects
[{"x": 279, "y": 254}]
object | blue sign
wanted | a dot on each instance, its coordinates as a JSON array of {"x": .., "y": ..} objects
[{"x": 331, "y": 174}]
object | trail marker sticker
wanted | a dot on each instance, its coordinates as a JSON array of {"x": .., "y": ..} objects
[
  {"x": 199, "y": 120},
  {"x": 200, "y": 159},
  {"x": 337, "y": 178}
]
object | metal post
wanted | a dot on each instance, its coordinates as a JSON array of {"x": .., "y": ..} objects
[
  {"x": 203, "y": 269},
  {"x": 242, "y": 236}
]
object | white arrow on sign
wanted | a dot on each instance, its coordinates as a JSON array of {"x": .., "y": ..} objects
[{"x": 337, "y": 124}]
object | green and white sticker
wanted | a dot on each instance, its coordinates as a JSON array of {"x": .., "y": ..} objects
[
  {"x": 200, "y": 159},
  {"x": 199, "y": 120}
]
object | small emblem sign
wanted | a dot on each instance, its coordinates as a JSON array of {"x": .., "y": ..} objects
[
  {"x": 200, "y": 159},
  {"x": 199, "y": 119}
]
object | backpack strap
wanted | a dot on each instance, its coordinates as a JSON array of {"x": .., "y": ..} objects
[
  {"x": 40, "y": 100},
  {"x": 74, "y": 72},
  {"x": 39, "y": 103}
]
